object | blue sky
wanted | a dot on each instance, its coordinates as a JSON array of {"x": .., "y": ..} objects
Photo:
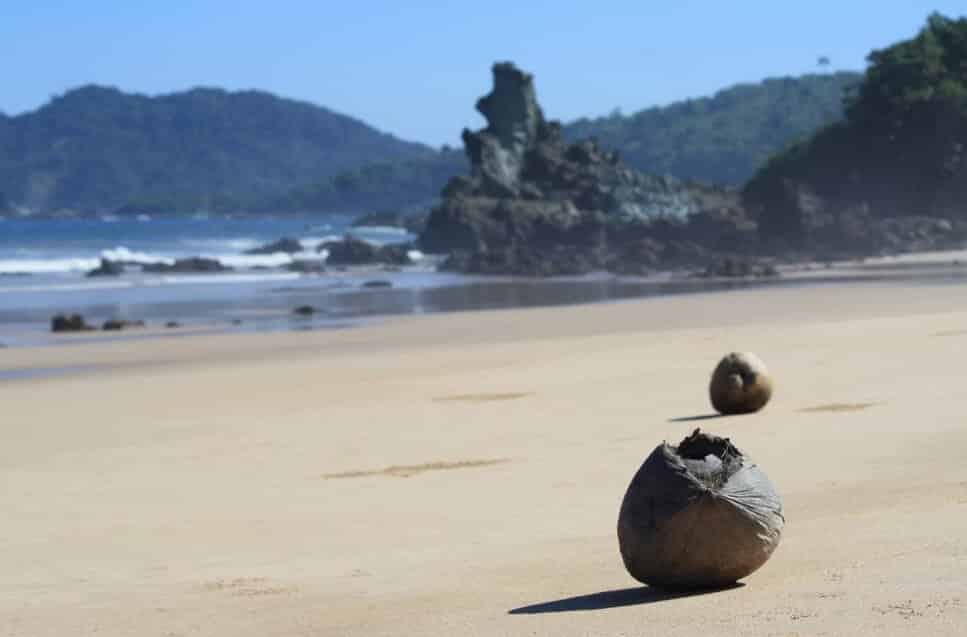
[{"x": 415, "y": 68}]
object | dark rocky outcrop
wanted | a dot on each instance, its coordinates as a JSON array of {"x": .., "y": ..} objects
[
  {"x": 353, "y": 251},
  {"x": 378, "y": 283},
  {"x": 535, "y": 205},
  {"x": 416, "y": 222},
  {"x": 795, "y": 219},
  {"x": 107, "y": 268},
  {"x": 304, "y": 310},
  {"x": 307, "y": 266},
  {"x": 189, "y": 265},
  {"x": 286, "y": 245},
  {"x": 69, "y": 323}
]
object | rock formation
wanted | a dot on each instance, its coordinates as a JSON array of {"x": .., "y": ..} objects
[
  {"x": 69, "y": 323},
  {"x": 286, "y": 245},
  {"x": 353, "y": 251},
  {"x": 534, "y": 204},
  {"x": 107, "y": 268}
]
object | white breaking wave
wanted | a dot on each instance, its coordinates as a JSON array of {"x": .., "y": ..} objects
[
  {"x": 192, "y": 279},
  {"x": 227, "y": 244},
  {"x": 242, "y": 261},
  {"x": 78, "y": 264},
  {"x": 121, "y": 253},
  {"x": 47, "y": 266},
  {"x": 311, "y": 244},
  {"x": 227, "y": 251},
  {"x": 380, "y": 235}
]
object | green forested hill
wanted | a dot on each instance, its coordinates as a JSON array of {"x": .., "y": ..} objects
[
  {"x": 96, "y": 149},
  {"x": 724, "y": 138},
  {"x": 399, "y": 185}
]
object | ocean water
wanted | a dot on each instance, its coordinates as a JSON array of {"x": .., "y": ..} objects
[
  {"x": 44, "y": 262},
  {"x": 63, "y": 246},
  {"x": 43, "y": 266}
]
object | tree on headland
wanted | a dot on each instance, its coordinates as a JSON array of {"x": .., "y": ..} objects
[{"x": 925, "y": 75}]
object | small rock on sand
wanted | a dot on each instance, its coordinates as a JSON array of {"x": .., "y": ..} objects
[{"x": 72, "y": 323}]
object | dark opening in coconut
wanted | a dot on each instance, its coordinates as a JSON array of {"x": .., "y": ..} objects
[{"x": 712, "y": 460}]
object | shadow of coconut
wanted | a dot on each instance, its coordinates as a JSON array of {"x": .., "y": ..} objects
[
  {"x": 637, "y": 596},
  {"x": 697, "y": 418}
]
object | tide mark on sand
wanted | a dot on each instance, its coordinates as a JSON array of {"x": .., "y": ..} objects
[
  {"x": 951, "y": 333},
  {"x": 833, "y": 595},
  {"x": 838, "y": 408},
  {"x": 908, "y": 609},
  {"x": 407, "y": 471},
  {"x": 246, "y": 587},
  {"x": 482, "y": 397}
]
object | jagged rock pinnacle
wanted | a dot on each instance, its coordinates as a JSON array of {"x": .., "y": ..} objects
[{"x": 514, "y": 125}]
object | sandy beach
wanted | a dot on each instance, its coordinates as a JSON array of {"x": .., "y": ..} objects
[{"x": 461, "y": 474}]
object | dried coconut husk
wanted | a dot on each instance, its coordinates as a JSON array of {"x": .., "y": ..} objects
[{"x": 697, "y": 516}]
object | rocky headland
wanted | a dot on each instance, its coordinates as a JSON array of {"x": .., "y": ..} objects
[
  {"x": 537, "y": 205},
  {"x": 893, "y": 174}
]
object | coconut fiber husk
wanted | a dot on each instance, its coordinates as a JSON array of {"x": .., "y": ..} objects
[
  {"x": 740, "y": 384},
  {"x": 699, "y": 515}
]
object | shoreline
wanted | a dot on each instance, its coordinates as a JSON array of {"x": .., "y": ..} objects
[
  {"x": 114, "y": 351},
  {"x": 340, "y": 301}
]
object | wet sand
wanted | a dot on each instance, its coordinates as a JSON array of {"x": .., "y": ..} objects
[{"x": 461, "y": 474}]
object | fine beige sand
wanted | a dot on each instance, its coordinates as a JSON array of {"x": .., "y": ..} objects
[{"x": 461, "y": 474}]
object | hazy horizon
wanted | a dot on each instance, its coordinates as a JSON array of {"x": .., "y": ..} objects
[{"x": 417, "y": 74}]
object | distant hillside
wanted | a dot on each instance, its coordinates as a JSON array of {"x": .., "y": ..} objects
[
  {"x": 96, "y": 149},
  {"x": 401, "y": 185},
  {"x": 725, "y": 138}
]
